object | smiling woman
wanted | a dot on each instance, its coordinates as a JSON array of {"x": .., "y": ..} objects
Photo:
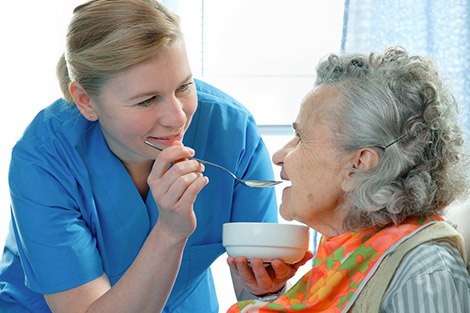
[
  {"x": 158, "y": 91},
  {"x": 96, "y": 213}
]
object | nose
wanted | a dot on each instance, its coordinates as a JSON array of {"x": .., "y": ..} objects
[
  {"x": 174, "y": 115},
  {"x": 278, "y": 156}
]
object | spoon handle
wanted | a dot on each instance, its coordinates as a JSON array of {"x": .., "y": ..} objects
[
  {"x": 249, "y": 183},
  {"x": 199, "y": 160}
]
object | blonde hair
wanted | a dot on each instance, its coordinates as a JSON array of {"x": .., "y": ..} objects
[{"x": 105, "y": 37}]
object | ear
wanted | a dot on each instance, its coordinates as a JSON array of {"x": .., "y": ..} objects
[
  {"x": 363, "y": 159},
  {"x": 366, "y": 158},
  {"x": 83, "y": 102}
]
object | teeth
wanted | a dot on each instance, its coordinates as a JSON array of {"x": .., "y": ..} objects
[{"x": 287, "y": 183}]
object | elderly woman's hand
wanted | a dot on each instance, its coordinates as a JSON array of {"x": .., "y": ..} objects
[{"x": 259, "y": 279}]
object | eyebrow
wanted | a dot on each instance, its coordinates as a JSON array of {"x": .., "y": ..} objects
[
  {"x": 295, "y": 125},
  {"x": 142, "y": 96}
]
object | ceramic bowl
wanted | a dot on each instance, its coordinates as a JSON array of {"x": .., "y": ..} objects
[{"x": 267, "y": 241}]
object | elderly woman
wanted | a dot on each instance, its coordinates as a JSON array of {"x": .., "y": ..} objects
[{"x": 376, "y": 158}]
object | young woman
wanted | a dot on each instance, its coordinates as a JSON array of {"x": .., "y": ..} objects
[{"x": 101, "y": 222}]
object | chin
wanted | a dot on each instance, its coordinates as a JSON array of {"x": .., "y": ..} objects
[{"x": 285, "y": 215}]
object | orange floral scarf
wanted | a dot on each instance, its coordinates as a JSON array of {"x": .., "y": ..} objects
[{"x": 341, "y": 269}]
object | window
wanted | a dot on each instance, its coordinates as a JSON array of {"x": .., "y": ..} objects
[{"x": 262, "y": 52}]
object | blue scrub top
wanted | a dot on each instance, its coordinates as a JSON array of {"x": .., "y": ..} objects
[{"x": 76, "y": 213}]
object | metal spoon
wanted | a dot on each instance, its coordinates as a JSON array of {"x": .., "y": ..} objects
[{"x": 248, "y": 182}]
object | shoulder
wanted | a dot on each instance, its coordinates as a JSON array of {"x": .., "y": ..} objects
[
  {"x": 58, "y": 125},
  {"x": 58, "y": 120},
  {"x": 222, "y": 116},
  {"x": 210, "y": 98},
  {"x": 53, "y": 141},
  {"x": 431, "y": 275},
  {"x": 431, "y": 257}
]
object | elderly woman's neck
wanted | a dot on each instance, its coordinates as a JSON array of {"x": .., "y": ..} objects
[
  {"x": 329, "y": 231},
  {"x": 328, "y": 226}
]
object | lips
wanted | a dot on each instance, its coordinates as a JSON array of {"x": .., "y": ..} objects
[
  {"x": 165, "y": 141},
  {"x": 283, "y": 175}
]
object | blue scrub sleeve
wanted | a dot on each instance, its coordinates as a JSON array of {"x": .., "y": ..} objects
[{"x": 55, "y": 244}]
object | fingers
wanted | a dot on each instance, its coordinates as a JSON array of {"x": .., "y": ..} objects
[
  {"x": 262, "y": 276},
  {"x": 175, "y": 183},
  {"x": 172, "y": 174},
  {"x": 178, "y": 179},
  {"x": 282, "y": 271},
  {"x": 193, "y": 189},
  {"x": 170, "y": 155},
  {"x": 308, "y": 256},
  {"x": 259, "y": 278},
  {"x": 241, "y": 268}
]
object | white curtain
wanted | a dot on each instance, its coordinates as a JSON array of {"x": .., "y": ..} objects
[{"x": 439, "y": 29}]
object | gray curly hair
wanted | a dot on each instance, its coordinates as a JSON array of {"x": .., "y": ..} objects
[{"x": 400, "y": 99}]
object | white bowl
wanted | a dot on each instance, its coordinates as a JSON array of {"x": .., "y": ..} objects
[{"x": 267, "y": 241}]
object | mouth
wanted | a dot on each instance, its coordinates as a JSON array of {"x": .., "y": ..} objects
[
  {"x": 286, "y": 179},
  {"x": 165, "y": 141},
  {"x": 288, "y": 184},
  {"x": 284, "y": 175}
]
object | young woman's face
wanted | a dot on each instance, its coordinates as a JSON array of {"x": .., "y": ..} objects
[
  {"x": 314, "y": 166},
  {"x": 154, "y": 100}
]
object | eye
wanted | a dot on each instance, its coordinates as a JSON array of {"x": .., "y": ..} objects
[
  {"x": 147, "y": 102},
  {"x": 185, "y": 87},
  {"x": 297, "y": 137}
]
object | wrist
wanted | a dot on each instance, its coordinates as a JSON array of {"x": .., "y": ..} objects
[
  {"x": 172, "y": 239},
  {"x": 270, "y": 296}
]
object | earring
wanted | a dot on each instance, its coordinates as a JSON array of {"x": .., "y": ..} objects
[{"x": 92, "y": 115}]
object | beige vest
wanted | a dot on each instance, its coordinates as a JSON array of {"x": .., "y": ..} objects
[{"x": 370, "y": 298}]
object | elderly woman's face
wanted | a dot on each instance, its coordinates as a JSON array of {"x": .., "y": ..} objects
[{"x": 314, "y": 166}]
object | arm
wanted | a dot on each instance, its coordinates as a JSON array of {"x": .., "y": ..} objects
[
  {"x": 147, "y": 284},
  {"x": 430, "y": 293},
  {"x": 431, "y": 278},
  {"x": 143, "y": 288}
]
